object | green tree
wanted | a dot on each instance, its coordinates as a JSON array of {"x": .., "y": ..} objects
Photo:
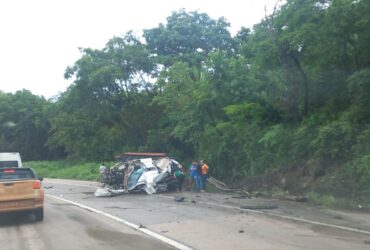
[
  {"x": 188, "y": 37},
  {"x": 24, "y": 125},
  {"x": 95, "y": 117}
]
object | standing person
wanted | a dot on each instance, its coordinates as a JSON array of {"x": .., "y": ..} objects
[
  {"x": 197, "y": 177},
  {"x": 102, "y": 171},
  {"x": 204, "y": 174},
  {"x": 180, "y": 178},
  {"x": 192, "y": 174}
]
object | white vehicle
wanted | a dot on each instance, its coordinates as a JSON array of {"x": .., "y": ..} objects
[
  {"x": 137, "y": 172},
  {"x": 10, "y": 159}
]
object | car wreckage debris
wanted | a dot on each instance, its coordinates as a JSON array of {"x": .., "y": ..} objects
[
  {"x": 297, "y": 198},
  {"x": 241, "y": 197},
  {"x": 179, "y": 199},
  {"x": 107, "y": 192},
  {"x": 243, "y": 194},
  {"x": 222, "y": 186},
  {"x": 152, "y": 175}
]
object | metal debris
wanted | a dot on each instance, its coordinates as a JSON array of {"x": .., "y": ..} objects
[{"x": 179, "y": 199}]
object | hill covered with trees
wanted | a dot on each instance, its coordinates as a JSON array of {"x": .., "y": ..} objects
[{"x": 292, "y": 94}]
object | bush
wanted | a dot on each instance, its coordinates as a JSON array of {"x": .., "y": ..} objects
[
  {"x": 361, "y": 171},
  {"x": 324, "y": 199},
  {"x": 334, "y": 141}
]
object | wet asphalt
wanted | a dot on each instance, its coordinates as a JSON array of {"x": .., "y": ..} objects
[{"x": 197, "y": 220}]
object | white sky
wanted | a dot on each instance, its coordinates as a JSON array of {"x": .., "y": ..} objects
[{"x": 40, "y": 38}]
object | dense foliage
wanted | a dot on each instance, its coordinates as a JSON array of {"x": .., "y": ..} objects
[{"x": 292, "y": 92}]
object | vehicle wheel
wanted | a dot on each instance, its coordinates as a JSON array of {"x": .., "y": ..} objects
[
  {"x": 39, "y": 214},
  {"x": 140, "y": 187}
]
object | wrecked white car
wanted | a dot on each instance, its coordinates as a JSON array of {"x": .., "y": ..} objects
[{"x": 137, "y": 172}]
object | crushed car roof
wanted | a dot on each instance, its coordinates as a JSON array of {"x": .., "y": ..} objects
[{"x": 137, "y": 155}]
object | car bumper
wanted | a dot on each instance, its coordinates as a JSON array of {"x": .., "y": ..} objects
[{"x": 21, "y": 205}]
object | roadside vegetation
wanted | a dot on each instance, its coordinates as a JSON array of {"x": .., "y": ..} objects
[
  {"x": 288, "y": 99},
  {"x": 65, "y": 170}
]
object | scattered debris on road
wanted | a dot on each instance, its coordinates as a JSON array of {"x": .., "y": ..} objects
[
  {"x": 253, "y": 207},
  {"x": 220, "y": 185},
  {"x": 224, "y": 188},
  {"x": 180, "y": 199},
  {"x": 243, "y": 194},
  {"x": 241, "y": 197},
  {"x": 107, "y": 192},
  {"x": 298, "y": 198}
]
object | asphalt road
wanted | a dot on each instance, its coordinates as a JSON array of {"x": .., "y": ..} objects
[
  {"x": 68, "y": 227},
  {"x": 76, "y": 219}
]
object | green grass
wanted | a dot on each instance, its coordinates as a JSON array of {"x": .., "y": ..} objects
[
  {"x": 330, "y": 201},
  {"x": 66, "y": 170},
  {"x": 211, "y": 188}
]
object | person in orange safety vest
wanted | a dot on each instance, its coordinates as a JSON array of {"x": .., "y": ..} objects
[{"x": 204, "y": 174}]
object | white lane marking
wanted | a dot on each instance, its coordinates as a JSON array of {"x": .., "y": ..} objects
[
  {"x": 355, "y": 230},
  {"x": 160, "y": 237}
]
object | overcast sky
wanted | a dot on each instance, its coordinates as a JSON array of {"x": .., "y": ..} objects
[{"x": 40, "y": 38}]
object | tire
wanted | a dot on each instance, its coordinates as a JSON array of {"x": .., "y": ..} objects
[{"x": 39, "y": 214}]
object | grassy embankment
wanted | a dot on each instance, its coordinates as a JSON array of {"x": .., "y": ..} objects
[{"x": 66, "y": 170}]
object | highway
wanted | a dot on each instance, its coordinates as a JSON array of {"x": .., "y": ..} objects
[
  {"x": 76, "y": 219},
  {"x": 69, "y": 227}
]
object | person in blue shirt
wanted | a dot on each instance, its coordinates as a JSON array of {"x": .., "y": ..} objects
[{"x": 194, "y": 171}]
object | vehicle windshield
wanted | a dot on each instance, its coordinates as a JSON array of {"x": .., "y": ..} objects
[
  {"x": 16, "y": 174},
  {"x": 8, "y": 164}
]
